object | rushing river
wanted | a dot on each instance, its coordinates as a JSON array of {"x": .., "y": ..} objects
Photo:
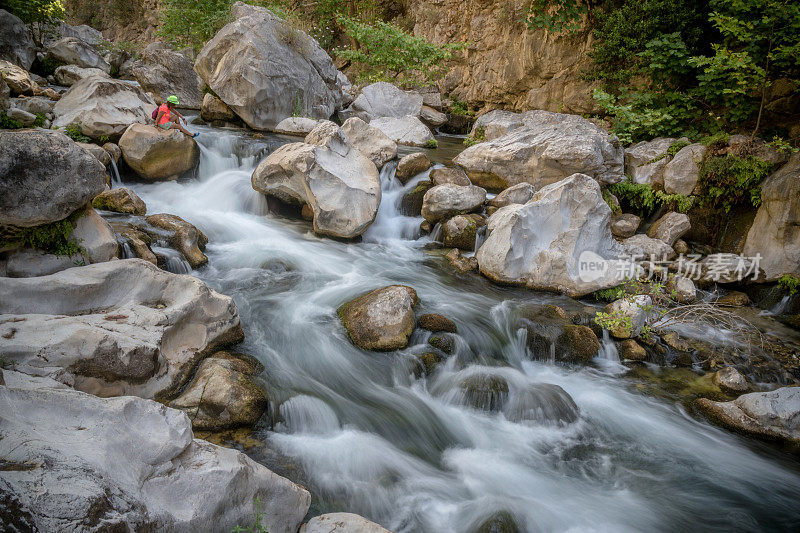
[{"x": 370, "y": 438}]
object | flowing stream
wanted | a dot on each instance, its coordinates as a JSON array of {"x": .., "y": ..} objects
[{"x": 368, "y": 437}]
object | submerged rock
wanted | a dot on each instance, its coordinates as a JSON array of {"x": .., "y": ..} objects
[
  {"x": 120, "y": 200},
  {"x": 436, "y": 323},
  {"x": 773, "y": 415},
  {"x": 114, "y": 328},
  {"x": 381, "y": 320},
  {"x": 82, "y": 463},
  {"x": 460, "y": 262},
  {"x": 158, "y": 155},
  {"x": 265, "y": 69},
  {"x": 339, "y": 183},
  {"x": 484, "y": 391},
  {"x": 341, "y": 523}
]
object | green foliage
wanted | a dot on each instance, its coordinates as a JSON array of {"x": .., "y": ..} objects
[
  {"x": 781, "y": 145},
  {"x": 478, "y": 136},
  {"x": 618, "y": 321},
  {"x": 127, "y": 47},
  {"x": 432, "y": 143},
  {"x": 298, "y": 106},
  {"x": 8, "y": 123},
  {"x": 730, "y": 180},
  {"x": 55, "y": 238},
  {"x": 642, "y": 198},
  {"x": 613, "y": 321},
  {"x": 386, "y": 52},
  {"x": 559, "y": 16},
  {"x": 75, "y": 132},
  {"x": 676, "y": 147},
  {"x": 609, "y": 295},
  {"x": 789, "y": 283},
  {"x": 48, "y": 65},
  {"x": 40, "y": 119},
  {"x": 458, "y": 107},
  {"x": 191, "y": 23},
  {"x": 609, "y": 199},
  {"x": 258, "y": 525},
  {"x": 40, "y": 15},
  {"x": 717, "y": 140}
]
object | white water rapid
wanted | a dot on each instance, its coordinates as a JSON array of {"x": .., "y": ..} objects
[{"x": 368, "y": 437}]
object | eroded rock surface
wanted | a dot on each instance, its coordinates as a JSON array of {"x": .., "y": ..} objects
[{"x": 381, "y": 320}]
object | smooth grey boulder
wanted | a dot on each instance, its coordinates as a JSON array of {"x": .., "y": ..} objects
[
  {"x": 158, "y": 155},
  {"x": 541, "y": 148},
  {"x": 265, "y": 69},
  {"x": 16, "y": 44},
  {"x": 773, "y": 415},
  {"x": 645, "y": 161},
  {"x": 683, "y": 171},
  {"x": 670, "y": 227},
  {"x": 641, "y": 247},
  {"x": 382, "y": 99},
  {"x": 445, "y": 201},
  {"x": 431, "y": 117},
  {"x": 341, "y": 523},
  {"x": 338, "y": 182},
  {"x": 83, "y": 32},
  {"x": 163, "y": 71},
  {"x": 625, "y": 225},
  {"x": 520, "y": 193},
  {"x": 22, "y": 116},
  {"x": 45, "y": 177},
  {"x": 74, "y": 51},
  {"x": 75, "y": 462},
  {"x": 69, "y": 75},
  {"x": 103, "y": 107},
  {"x": 381, "y": 320},
  {"x": 114, "y": 328},
  {"x": 560, "y": 241},
  {"x": 775, "y": 233},
  {"x": 300, "y": 126},
  {"x": 370, "y": 141},
  {"x": 407, "y": 130},
  {"x": 28, "y": 263}
]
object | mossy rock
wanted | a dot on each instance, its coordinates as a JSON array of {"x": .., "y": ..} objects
[
  {"x": 411, "y": 203},
  {"x": 430, "y": 362},
  {"x": 436, "y": 323},
  {"x": 445, "y": 343},
  {"x": 577, "y": 344},
  {"x": 500, "y": 522},
  {"x": 485, "y": 392}
]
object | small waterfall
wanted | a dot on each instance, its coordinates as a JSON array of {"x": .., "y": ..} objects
[
  {"x": 780, "y": 308},
  {"x": 608, "y": 350},
  {"x": 171, "y": 260},
  {"x": 115, "y": 179},
  {"x": 306, "y": 414},
  {"x": 480, "y": 237},
  {"x": 390, "y": 224},
  {"x": 127, "y": 251}
]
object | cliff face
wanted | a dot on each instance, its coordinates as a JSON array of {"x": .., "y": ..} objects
[
  {"x": 119, "y": 20},
  {"x": 506, "y": 65}
]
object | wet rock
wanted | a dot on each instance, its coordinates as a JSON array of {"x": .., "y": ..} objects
[
  {"x": 162, "y": 71},
  {"x": 500, "y": 522},
  {"x": 18, "y": 79},
  {"x": 120, "y": 200},
  {"x": 633, "y": 312},
  {"x": 138, "y": 241},
  {"x": 130, "y": 329},
  {"x": 44, "y": 177},
  {"x": 158, "y": 155},
  {"x": 339, "y": 183},
  {"x": 411, "y": 165},
  {"x": 680, "y": 247},
  {"x": 520, "y": 193},
  {"x": 682, "y": 289},
  {"x": 407, "y": 130},
  {"x": 430, "y": 361},
  {"x": 445, "y": 201},
  {"x": 576, "y": 344},
  {"x": 541, "y": 148},
  {"x": 74, "y": 51},
  {"x": 411, "y": 203},
  {"x": 383, "y": 99},
  {"x": 643, "y": 247},
  {"x": 341, "y": 523},
  {"x": 730, "y": 380},
  {"x": 775, "y": 233},
  {"x": 538, "y": 244},
  {"x": 734, "y": 299},
  {"x": 445, "y": 175},
  {"x": 100, "y": 464},
  {"x": 262, "y": 67},
  {"x": 16, "y": 45},
  {"x": 370, "y": 141},
  {"x": 670, "y": 227},
  {"x": 624, "y": 225},
  {"x": 215, "y": 110},
  {"x": 630, "y": 350},
  {"x": 461, "y": 230},
  {"x": 186, "y": 238},
  {"x": 299, "y": 126},
  {"x": 103, "y": 107},
  {"x": 484, "y": 391},
  {"x": 381, "y": 320},
  {"x": 113, "y": 150},
  {"x": 773, "y": 415},
  {"x": 445, "y": 343},
  {"x": 460, "y": 262},
  {"x": 436, "y": 323},
  {"x": 681, "y": 174},
  {"x": 69, "y": 75},
  {"x": 222, "y": 394}
]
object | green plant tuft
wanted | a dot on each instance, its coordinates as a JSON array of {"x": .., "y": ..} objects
[
  {"x": 433, "y": 143},
  {"x": 729, "y": 180},
  {"x": 789, "y": 283},
  {"x": 75, "y": 132},
  {"x": 478, "y": 136},
  {"x": 55, "y": 238},
  {"x": 8, "y": 123}
]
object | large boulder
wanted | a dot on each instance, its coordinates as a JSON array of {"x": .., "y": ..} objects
[
  {"x": 74, "y": 51},
  {"x": 683, "y": 171},
  {"x": 69, "y": 75},
  {"x": 300, "y": 126},
  {"x": 670, "y": 227},
  {"x": 560, "y": 240},
  {"x": 83, "y": 32},
  {"x": 18, "y": 79},
  {"x": 645, "y": 161},
  {"x": 407, "y": 130},
  {"x": 540, "y": 147},
  {"x": 381, "y": 320},
  {"x": 156, "y": 154},
  {"x": 341, "y": 523},
  {"x": 382, "y": 99},
  {"x": 775, "y": 233},
  {"x": 445, "y": 201},
  {"x": 370, "y": 141},
  {"x": 337, "y": 181},
  {"x": 16, "y": 44},
  {"x": 114, "y": 328},
  {"x": 103, "y": 107},
  {"x": 44, "y": 177},
  {"x": 82, "y": 463},
  {"x": 265, "y": 70},
  {"x": 222, "y": 394},
  {"x": 163, "y": 71},
  {"x": 773, "y": 415},
  {"x": 215, "y": 110}
]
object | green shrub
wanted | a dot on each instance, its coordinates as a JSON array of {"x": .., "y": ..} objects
[
  {"x": 789, "y": 283},
  {"x": 41, "y": 16},
  {"x": 676, "y": 147},
  {"x": 48, "y": 65},
  {"x": 432, "y": 143},
  {"x": 559, "y": 16},
  {"x": 258, "y": 525},
  {"x": 457, "y": 107},
  {"x": 643, "y": 199},
  {"x": 609, "y": 295},
  {"x": 8, "y": 123},
  {"x": 478, "y": 136},
  {"x": 191, "y": 23},
  {"x": 729, "y": 180},
  {"x": 75, "y": 132},
  {"x": 40, "y": 119},
  {"x": 55, "y": 238}
]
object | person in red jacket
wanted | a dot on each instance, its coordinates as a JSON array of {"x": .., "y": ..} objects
[{"x": 168, "y": 117}]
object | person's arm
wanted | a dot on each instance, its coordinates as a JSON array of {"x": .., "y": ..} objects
[{"x": 179, "y": 115}]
